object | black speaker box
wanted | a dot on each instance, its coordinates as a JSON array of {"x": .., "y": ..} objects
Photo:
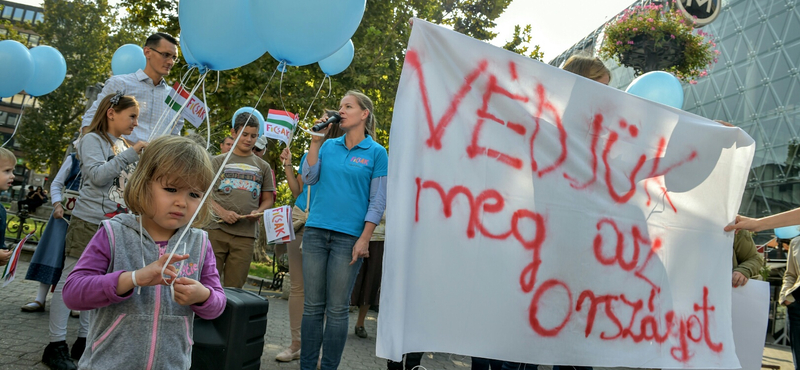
[{"x": 234, "y": 340}]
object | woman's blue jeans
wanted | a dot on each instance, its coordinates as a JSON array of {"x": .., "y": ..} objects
[{"x": 329, "y": 280}]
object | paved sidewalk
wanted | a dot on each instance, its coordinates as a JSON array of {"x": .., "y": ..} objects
[{"x": 23, "y": 336}]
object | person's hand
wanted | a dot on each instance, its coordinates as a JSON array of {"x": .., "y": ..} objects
[
  {"x": 139, "y": 146},
  {"x": 5, "y": 255},
  {"x": 744, "y": 223},
  {"x": 230, "y": 217},
  {"x": 360, "y": 250},
  {"x": 320, "y": 135},
  {"x": 286, "y": 156},
  {"x": 189, "y": 291},
  {"x": 151, "y": 274},
  {"x": 58, "y": 212},
  {"x": 738, "y": 279}
]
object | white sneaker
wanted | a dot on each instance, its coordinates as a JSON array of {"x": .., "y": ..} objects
[{"x": 287, "y": 355}]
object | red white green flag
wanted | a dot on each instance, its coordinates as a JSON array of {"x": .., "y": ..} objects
[
  {"x": 280, "y": 125},
  {"x": 195, "y": 112}
]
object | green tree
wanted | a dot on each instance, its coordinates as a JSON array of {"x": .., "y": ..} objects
[
  {"x": 79, "y": 29},
  {"x": 381, "y": 41},
  {"x": 520, "y": 41}
]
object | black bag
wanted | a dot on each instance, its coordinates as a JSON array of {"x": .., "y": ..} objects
[{"x": 234, "y": 340}]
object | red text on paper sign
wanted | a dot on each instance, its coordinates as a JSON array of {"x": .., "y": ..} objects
[
  {"x": 545, "y": 109},
  {"x": 638, "y": 321},
  {"x": 636, "y": 324}
]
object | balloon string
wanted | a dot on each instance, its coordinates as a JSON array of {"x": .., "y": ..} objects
[
  {"x": 215, "y": 90},
  {"x": 309, "y": 108},
  {"x": 19, "y": 119},
  {"x": 216, "y": 176},
  {"x": 164, "y": 112},
  {"x": 330, "y": 86},
  {"x": 208, "y": 118},
  {"x": 185, "y": 104}
]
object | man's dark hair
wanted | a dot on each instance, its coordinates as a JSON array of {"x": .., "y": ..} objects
[
  {"x": 245, "y": 120},
  {"x": 155, "y": 38}
]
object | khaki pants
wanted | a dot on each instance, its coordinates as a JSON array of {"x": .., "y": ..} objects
[
  {"x": 233, "y": 254},
  {"x": 79, "y": 234}
]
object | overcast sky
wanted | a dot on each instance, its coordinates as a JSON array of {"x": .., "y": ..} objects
[{"x": 556, "y": 24}]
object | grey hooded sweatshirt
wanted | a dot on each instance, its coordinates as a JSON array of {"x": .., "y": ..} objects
[
  {"x": 105, "y": 170},
  {"x": 147, "y": 329}
]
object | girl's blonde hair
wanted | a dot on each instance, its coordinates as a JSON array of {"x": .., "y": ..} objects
[
  {"x": 586, "y": 66},
  {"x": 119, "y": 103},
  {"x": 177, "y": 159},
  {"x": 365, "y": 103},
  {"x": 7, "y": 155}
]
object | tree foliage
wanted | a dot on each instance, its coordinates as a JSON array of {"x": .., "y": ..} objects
[
  {"x": 520, "y": 41},
  {"x": 86, "y": 32}
]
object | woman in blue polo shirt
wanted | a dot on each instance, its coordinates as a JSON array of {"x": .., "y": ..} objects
[{"x": 352, "y": 171}]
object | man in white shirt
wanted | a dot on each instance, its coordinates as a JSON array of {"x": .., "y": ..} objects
[{"x": 149, "y": 88}]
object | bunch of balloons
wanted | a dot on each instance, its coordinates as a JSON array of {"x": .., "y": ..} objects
[
  {"x": 244, "y": 30},
  {"x": 37, "y": 71}
]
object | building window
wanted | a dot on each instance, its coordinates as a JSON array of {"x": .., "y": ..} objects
[
  {"x": 7, "y": 10},
  {"x": 18, "y": 14},
  {"x": 33, "y": 41},
  {"x": 39, "y": 17},
  {"x": 29, "y": 16},
  {"x": 3, "y": 32},
  {"x": 3, "y": 117}
]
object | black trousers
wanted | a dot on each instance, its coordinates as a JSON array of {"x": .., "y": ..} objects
[{"x": 412, "y": 360}]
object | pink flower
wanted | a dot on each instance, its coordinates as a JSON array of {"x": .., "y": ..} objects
[
  {"x": 635, "y": 29},
  {"x": 619, "y": 42},
  {"x": 681, "y": 21},
  {"x": 650, "y": 20},
  {"x": 716, "y": 60},
  {"x": 703, "y": 74},
  {"x": 672, "y": 36},
  {"x": 717, "y": 52},
  {"x": 630, "y": 42},
  {"x": 693, "y": 82},
  {"x": 652, "y": 28}
]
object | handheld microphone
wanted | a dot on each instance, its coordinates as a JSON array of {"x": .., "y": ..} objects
[{"x": 333, "y": 119}]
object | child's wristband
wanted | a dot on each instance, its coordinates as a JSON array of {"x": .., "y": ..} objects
[{"x": 133, "y": 278}]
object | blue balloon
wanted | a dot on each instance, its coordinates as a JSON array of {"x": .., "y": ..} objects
[
  {"x": 129, "y": 58},
  {"x": 660, "y": 87},
  {"x": 301, "y": 43},
  {"x": 255, "y": 112},
  {"x": 16, "y": 68},
  {"x": 339, "y": 61},
  {"x": 221, "y": 34},
  {"x": 787, "y": 232},
  {"x": 50, "y": 68},
  {"x": 189, "y": 58}
]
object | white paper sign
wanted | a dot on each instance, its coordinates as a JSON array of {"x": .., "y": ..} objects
[
  {"x": 278, "y": 224},
  {"x": 536, "y": 216}
]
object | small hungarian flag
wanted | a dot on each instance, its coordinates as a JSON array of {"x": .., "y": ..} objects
[
  {"x": 195, "y": 111},
  {"x": 280, "y": 125},
  {"x": 177, "y": 96}
]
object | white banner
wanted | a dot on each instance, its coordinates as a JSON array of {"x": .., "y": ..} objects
[
  {"x": 278, "y": 224},
  {"x": 536, "y": 216}
]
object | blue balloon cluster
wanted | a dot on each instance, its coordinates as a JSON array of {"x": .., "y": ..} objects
[
  {"x": 129, "y": 58},
  {"x": 242, "y": 31},
  {"x": 660, "y": 87},
  {"x": 254, "y": 112},
  {"x": 38, "y": 71}
]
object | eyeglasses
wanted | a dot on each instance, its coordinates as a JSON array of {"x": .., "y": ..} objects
[{"x": 165, "y": 55}]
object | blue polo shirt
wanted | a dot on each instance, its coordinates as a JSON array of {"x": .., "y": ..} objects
[{"x": 344, "y": 184}]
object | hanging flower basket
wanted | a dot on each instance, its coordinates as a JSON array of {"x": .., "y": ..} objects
[
  {"x": 658, "y": 38},
  {"x": 647, "y": 54}
]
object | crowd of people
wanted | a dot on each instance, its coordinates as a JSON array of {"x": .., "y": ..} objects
[{"x": 139, "y": 185}]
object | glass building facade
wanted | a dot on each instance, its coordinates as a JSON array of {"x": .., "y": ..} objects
[{"x": 755, "y": 85}]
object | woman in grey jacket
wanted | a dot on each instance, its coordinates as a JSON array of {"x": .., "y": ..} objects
[{"x": 106, "y": 161}]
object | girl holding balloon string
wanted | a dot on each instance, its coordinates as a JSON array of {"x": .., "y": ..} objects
[{"x": 139, "y": 322}]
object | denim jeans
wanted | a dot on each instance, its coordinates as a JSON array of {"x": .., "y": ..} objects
[
  {"x": 329, "y": 280},
  {"x": 793, "y": 311}
]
